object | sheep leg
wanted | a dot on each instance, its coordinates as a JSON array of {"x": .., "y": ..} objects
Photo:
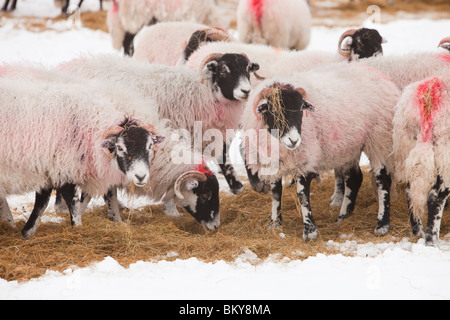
[
  {"x": 113, "y": 205},
  {"x": 60, "y": 205},
  {"x": 339, "y": 188},
  {"x": 5, "y": 213},
  {"x": 253, "y": 179},
  {"x": 69, "y": 194},
  {"x": 383, "y": 181},
  {"x": 416, "y": 223},
  {"x": 352, "y": 183},
  {"x": 80, "y": 3},
  {"x": 41, "y": 202},
  {"x": 5, "y": 6},
  {"x": 436, "y": 203},
  {"x": 310, "y": 231},
  {"x": 13, "y": 5},
  {"x": 65, "y": 6},
  {"x": 128, "y": 44},
  {"x": 277, "y": 192},
  {"x": 228, "y": 171},
  {"x": 101, "y": 5}
]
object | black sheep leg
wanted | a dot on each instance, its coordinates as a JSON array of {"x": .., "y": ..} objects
[{"x": 41, "y": 203}]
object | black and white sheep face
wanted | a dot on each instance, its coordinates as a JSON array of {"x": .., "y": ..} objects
[
  {"x": 202, "y": 202},
  {"x": 230, "y": 76},
  {"x": 132, "y": 150},
  {"x": 283, "y": 115},
  {"x": 364, "y": 43}
]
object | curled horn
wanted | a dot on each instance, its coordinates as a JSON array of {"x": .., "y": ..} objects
[
  {"x": 218, "y": 34},
  {"x": 190, "y": 175},
  {"x": 262, "y": 95},
  {"x": 112, "y": 131},
  {"x": 445, "y": 40},
  {"x": 348, "y": 33},
  {"x": 150, "y": 128},
  {"x": 303, "y": 93}
]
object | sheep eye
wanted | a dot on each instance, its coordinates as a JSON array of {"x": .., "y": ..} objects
[{"x": 119, "y": 148}]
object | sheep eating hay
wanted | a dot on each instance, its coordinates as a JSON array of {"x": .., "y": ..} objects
[
  {"x": 63, "y": 136},
  {"x": 338, "y": 128}
]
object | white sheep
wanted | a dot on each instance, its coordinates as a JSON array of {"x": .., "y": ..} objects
[
  {"x": 325, "y": 118},
  {"x": 406, "y": 69},
  {"x": 422, "y": 151},
  {"x": 63, "y": 136},
  {"x": 283, "y": 24},
  {"x": 276, "y": 62},
  {"x": 188, "y": 184},
  {"x": 214, "y": 95},
  {"x": 166, "y": 42},
  {"x": 135, "y": 14}
]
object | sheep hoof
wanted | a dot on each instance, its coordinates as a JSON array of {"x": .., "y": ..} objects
[
  {"x": 310, "y": 234},
  {"x": 382, "y": 230},
  {"x": 432, "y": 241},
  {"x": 237, "y": 188},
  {"x": 28, "y": 233},
  {"x": 336, "y": 200},
  {"x": 275, "y": 224}
]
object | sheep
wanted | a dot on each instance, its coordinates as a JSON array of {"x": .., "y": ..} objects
[
  {"x": 421, "y": 151},
  {"x": 63, "y": 136},
  {"x": 135, "y": 14},
  {"x": 215, "y": 98},
  {"x": 165, "y": 42},
  {"x": 11, "y": 8},
  {"x": 275, "y": 62},
  {"x": 190, "y": 186},
  {"x": 406, "y": 69},
  {"x": 321, "y": 120},
  {"x": 64, "y": 4},
  {"x": 283, "y": 24},
  {"x": 115, "y": 26}
]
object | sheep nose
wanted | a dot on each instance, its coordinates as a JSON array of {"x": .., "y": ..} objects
[
  {"x": 246, "y": 92},
  {"x": 140, "y": 178},
  {"x": 294, "y": 142}
]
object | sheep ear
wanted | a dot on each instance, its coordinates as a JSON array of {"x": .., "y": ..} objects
[
  {"x": 108, "y": 147},
  {"x": 253, "y": 67},
  {"x": 158, "y": 139},
  {"x": 191, "y": 184},
  {"x": 209, "y": 69},
  {"x": 262, "y": 108},
  {"x": 308, "y": 106}
]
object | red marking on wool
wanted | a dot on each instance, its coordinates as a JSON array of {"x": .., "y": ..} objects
[
  {"x": 429, "y": 99},
  {"x": 204, "y": 169},
  {"x": 115, "y": 7},
  {"x": 445, "y": 57},
  {"x": 257, "y": 8}
]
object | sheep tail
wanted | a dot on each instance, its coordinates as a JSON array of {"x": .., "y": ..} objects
[{"x": 421, "y": 173}]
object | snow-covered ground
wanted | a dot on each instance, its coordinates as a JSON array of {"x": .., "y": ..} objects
[{"x": 406, "y": 270}]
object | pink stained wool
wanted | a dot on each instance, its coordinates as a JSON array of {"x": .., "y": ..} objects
[
  {"x": 429, "y": 101},
  {"x": 257, "y": 8}
]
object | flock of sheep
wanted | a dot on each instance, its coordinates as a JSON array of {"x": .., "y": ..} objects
[{"x": 96, "y": 124}]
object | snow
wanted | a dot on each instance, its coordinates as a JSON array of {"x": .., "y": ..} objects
[{"x": 404, "y": 270}]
